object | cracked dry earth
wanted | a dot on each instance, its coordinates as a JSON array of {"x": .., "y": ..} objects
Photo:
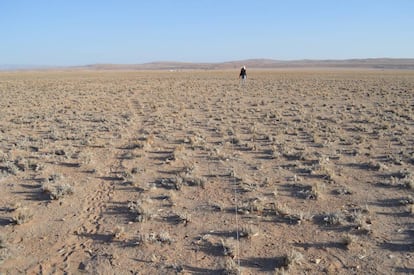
[{"x": 130, "y": 172}]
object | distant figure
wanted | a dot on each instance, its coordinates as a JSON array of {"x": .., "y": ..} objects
[{"x": 243, "y": 74}]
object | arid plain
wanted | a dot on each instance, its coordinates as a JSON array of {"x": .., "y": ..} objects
[{"x": 140, "y": 172}]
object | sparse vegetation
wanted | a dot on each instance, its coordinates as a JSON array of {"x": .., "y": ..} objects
[
  {"x": 57, "y": 191},
  {"x": 348, "y": 240},
  {"x": 249, "y": 231},
  {"x": 229, "y": 248},
  {"x": 291, "y": 259},
  {"x": 230, "y": 267},
  {"x": 141, "y": 209},
  {"x": 4, "y": 250},
  {"x": 118, "y": 232},
  {"x": 151, "y": 238},
  {"x": 22, "y": 215},
  {"x": 335, "y": 218},
  {"x": 194, "y": 170}
]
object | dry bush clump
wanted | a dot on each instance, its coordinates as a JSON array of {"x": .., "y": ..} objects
[
  {"x": 348, "y": 240},
  {"x": 57, "y": 190},
  {"x": 334, "y": 219},
  {"x": 134, "y": 145},
  {"x": 4, "y": 249},
  {"x": 197, "y": 140},
  {"x": 407, "y": 200},
  {"x": 130, "y": 155},
  {"x": 189, "y": 178},
  {"x": 248, "y": 231},
  {"x": 179, "y": 153},
  {"x": 152, "y": 238},
  {"x": 292, "y": 216},
  {"x": 411, "y": 209},
  {"x": 22, "y": 214},
  {"x": 184, "y": 217},
  {"x": 291, "y": 260},
  {"x": 343, "y": 191},
  {"x": 3, "y": 242},
  {"x": 361, "y": 222},
  {"x": 312, "y": 192},
  {"x": 118, "y": 232},
  {"x": 142, "y": 209},
  {"x": 256, "y": 205},
  {"x": 230, "y": 267},
  {"x": 408, "y": 181},
  {"x": 229, "y": 247}
]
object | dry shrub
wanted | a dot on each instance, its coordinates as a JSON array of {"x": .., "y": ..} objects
[
  {"x": 142, "y": 209},
  {"x": 151, "y": 238},
  {"x": 293, "y": 216},
  {"x": 178, "y": 154},
  {"x": 184, "y": 218},
  {"x": 248, "y": 231},
  {"x": 188, "y": 179},
  {"x": 343, "y": 191},
  {"x": 4, "y": 249},
  {"x": 229, "y": 247},
  {"x": 3, "y": 243},
  {"x": 336, "y": 218},
  {"x": 57, "y": 191},
  {"x": 22, "y": 215},
  {"x": 281, "y": 210},
  {"x": 313, "y": 192},
  {"x": 291, "y": 259},
  {"x": 118, "y": 232},
  {"x": 254, "y": 205},
  {"x": 230, "y": 267},
  {"x": 348, "y": 240},
  {"x": 408, "y": 181}
]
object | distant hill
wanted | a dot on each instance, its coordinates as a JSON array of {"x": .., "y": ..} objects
[
  {"x": 370, "y": 63},
  {"x": 9, "y": 67}
]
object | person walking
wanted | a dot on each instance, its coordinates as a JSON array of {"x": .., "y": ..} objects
[{"x": 243, "y": 74}]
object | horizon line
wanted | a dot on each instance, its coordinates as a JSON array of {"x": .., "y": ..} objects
[{"x": 208, "y": 62}]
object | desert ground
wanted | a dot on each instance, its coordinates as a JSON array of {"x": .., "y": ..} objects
[{"x": 190, "y": 172}]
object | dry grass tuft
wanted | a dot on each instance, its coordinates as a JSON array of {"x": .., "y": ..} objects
[
  {"x": 141, "y": 209},
  {"x": 230, "y": 267},
  {"x": 291, "y": 259},
  {"x": 151, "y": 238},
  {"x": 229, "y": 247},
  {"x": 118, "y": 233},
  {"x": 4, "y": 249},
  {"x": 348, "y": 240},
  {"x": 22, "y": 215},
  {"x": 57, "y": 191},
  {"x": 184, "y": 218},
  {"x": 334, "y": 219},
  {"x": 249, "y": 231}
]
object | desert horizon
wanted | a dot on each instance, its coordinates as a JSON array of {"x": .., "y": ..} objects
[{"x": 255, "y": 63}]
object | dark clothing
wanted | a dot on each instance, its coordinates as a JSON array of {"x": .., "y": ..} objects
[{"x": 243, "y": 73}]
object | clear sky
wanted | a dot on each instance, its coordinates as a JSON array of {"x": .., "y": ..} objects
[{"x": 80, "y": 32}]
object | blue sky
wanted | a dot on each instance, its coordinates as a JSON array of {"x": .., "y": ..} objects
[{"x": 79, "y": 32}]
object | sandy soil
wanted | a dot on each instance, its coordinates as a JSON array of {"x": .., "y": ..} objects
[{"x": 297, "y": 172}]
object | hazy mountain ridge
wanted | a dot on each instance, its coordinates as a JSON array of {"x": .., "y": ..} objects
[
  {"x": 371, "y": 63},
  {"x": 368, "y": 63}
]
